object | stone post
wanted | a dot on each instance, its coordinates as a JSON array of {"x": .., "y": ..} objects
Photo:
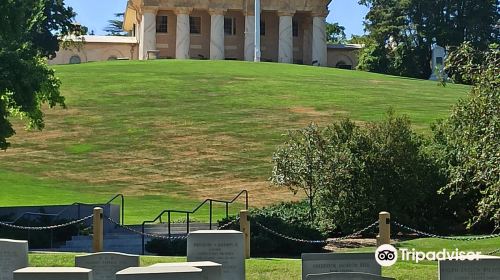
[
  {"x": 245, "y": 229},
  {"x": 319, "y": 48},
  {"x": 249, "y": 36},
  {"x": 183, "y": 35},
  {"x": 384, "y": 224},
  {"x": 98, "y": 230},
  {"x": 285, "y": 51},
  {"x": 216, "y": 34},
  {"x": 148, "y": 33}
]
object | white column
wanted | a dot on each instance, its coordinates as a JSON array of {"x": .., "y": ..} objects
[
  {"x": 183, "y": 36},
  {"x": 285, "y": 51},
  {"x": 216, "y": 34},
  {"x": 249, "y": 37},
  {"x": 319, "y": 49},
  {"x": 148, "y": 33}
]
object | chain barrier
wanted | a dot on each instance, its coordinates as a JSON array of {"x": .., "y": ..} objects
[
  {"x": 46, "y": 227},
  {"x": 152, "y": 235},
  {"x": 226, "y": 225},
  {"x": 494, "y": 252},
  {"x": 355, "y": 234},
  {"x": 472, "y": 238}
]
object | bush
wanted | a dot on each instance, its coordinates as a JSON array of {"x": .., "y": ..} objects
[
  {"x": 354, "y": 172},
  {"x": 382, "y": 166},
  {"x": 291, "y": 219},
  {"x": 165, "y": 247}
]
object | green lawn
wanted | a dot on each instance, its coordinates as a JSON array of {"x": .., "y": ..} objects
[
  {"x": 168, "y": 133},
  {"x": 290, "y": 269}
]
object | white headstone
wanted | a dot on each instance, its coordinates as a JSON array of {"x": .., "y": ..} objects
[
  {"x": 160, "y": 273},
  {"x": 105, "y": 265},
  {"x": 486, "y": 268},
  {"x": 437, "y": 62},
  {"x": 346, "y": 276},
  {"x": 317, "y": 263},
  {"x": 210, "y": 270},
  {"x": 220, "y": 246},
  {"x": 53, "y": 273},
  {"x": 13, "y": 256}
]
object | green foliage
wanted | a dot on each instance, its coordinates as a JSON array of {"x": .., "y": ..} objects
[
  {"x": 357, "y": 171},
  {"x": 335, "y": 33},
  {"x": 402, "y": 32},
  {"x": 300, "y": 163},
  {"x": 115, "y": 26},
  {"x": 467, "y": 142},
  {"x": 165, "y": 247},
  {"x": 291, "y": 219},
  {"x": 29, "y": 34}
]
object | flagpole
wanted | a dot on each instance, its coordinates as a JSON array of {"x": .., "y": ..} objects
[{"x": 257, "y": 31}]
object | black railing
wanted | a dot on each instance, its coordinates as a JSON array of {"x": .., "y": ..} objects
[{"x": 189, "y": 213}]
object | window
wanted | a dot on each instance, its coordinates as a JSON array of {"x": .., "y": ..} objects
[
  {"x": 195, "y": 25},
  {"x": 230, "y": 26},
  {"x": 295, "y": 28},
  {"x": 161, "y": 24},
  {"x": 75, "y": 60},
  {"x": 262, "y": 28}
]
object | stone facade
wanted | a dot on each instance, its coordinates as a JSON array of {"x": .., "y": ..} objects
[{"x": 291, "y": 31}]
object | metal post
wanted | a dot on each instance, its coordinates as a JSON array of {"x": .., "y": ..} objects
[
  {"x": 257, "y": 31},
  {"x": 142, "y": 238},
  {"x": 384, "y": 225},
  {"x": 187, "y": 222},
  {"x": 169, "y": 234},
  {"x": 245, "y": 229},
  {"x": 98, "y": 236},
  {"x": 210, "y": 215},
  {"x": 123, "y": 210},
  {"x": 227, "y": 210}
]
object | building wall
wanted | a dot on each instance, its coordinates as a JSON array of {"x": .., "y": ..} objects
[
  {"x": 234, "y": 45},
  {"x": 348, "y": 56},
  {"x": 96, "y": 52},
  {"x": 165, "y": 42}
]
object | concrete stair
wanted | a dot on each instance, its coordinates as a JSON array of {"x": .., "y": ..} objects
[{"x": 125, "y": 241}]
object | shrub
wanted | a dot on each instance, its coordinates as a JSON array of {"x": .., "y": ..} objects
[
  {"x": 291, "y": 219},
  {"x": 165, "y": 247}
]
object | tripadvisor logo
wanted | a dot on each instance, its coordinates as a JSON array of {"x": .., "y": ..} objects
[{"x": 387, "y": 255}]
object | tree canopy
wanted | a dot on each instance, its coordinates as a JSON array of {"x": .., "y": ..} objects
[
  {"x": 30, "y": 33},
  {"x": 115, "y": 26},
  {"x": 335, "y": 33},
  {"x": 402, "y": 32}
]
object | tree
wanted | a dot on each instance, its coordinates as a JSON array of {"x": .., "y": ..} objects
[
  {"x": 115, "y": 26},
  {"x": 404, "y": 31},
  {"x": 335, "y": 33},
  {"x": 29, "y": 35},
  {"x": 300, "y": 164},
  {"x": 467, "y": 142}
]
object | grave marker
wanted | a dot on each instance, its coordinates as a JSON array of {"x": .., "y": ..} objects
[
  {"x": 13, "y": 256},
  {"x": 160, "y": 273},
  {"x": 53, "y": 273},
  {"x": 317, "y": 263},
  {"x": 225, "y": 247},
  {"x": 105, "y": 265},
  {"x": 210, "y": 270},
  {"x": 486, "y": 268},
  {"x": 346, "y": 276}
]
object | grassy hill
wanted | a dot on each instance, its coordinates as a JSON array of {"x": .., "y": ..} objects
[{"x": 170, "y": 133}]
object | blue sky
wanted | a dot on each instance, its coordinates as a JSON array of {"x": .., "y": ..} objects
[{"x": 95, "y": 13}]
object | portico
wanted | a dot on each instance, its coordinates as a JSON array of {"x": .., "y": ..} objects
[{"x": 291, "y": 31}]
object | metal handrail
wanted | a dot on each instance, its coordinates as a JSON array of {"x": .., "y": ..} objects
[
  {"x": 69, "y": 206},
  {"x": 188, "y": 213}
]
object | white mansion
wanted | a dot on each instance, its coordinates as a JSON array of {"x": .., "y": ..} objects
[{"x": 291, "y": 31}]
